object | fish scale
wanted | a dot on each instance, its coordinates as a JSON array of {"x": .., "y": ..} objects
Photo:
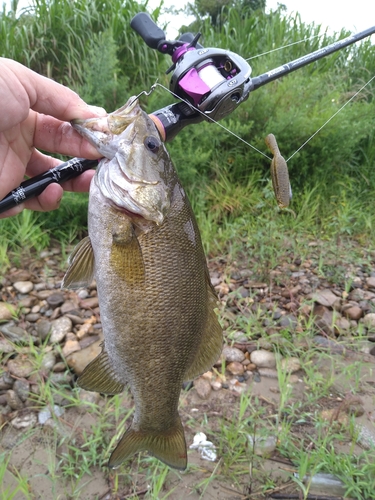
[{"x": 155, "y": 296}]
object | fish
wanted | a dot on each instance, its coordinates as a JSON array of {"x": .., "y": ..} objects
[
  {"x": 279, "y": 174},
  {"x": 156, "y": 300}
]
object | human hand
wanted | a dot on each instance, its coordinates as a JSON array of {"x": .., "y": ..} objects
[{"x": 35, "y": 114}]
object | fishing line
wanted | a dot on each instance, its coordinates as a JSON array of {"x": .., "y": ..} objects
[
  {"x": 284, "y": 47},
  {"x": 156, "y": 84},
  {"x": 331, "y": 118}
]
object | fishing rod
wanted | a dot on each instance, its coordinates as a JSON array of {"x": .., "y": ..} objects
[{"x": 210, "y": 82}]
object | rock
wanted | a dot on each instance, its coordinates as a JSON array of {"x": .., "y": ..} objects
[
  {"x": 23, "y": 287},
  {"x": 323, "y": 319},
  {"x": 87, "y": 398},
  {"x": 55, "y": 300},
  {"x": 353, "y": 312},
  {"x": 290, "y": 365},
  {"x": 15, "y": 334},
  {"x": 20, "y": 275},
  {"x": 43, "y": 328},
  {"x": 46, "y": 414},
  {"x": 59, "y": 328},
  {"x": 20, "y": 367},
  {"x": 60, "y": 378},
  {"x": 6, "y": 381},
  {"x": 288, "y": 321},
  {"x": 263, "y": 359},
  {"x": 32, "y": 317},
  {"x": 216, "y": 385},
  {"x": 6, "y": 347},
  {"x": 342, "y": 324},
  {"x": 325, "y": 297},
  {"x": 70, "y": 347},
  {"x": 236, "y": 368},
  {"x": 21, "y": 387},
  {"x": 369, "y": 321},
  {"x": 13, "y": 400},
  {"x": 370, "y": 282},
  {"x": 203, "y": 387},
  {"x": 262, "y": 445},
  {"x": 268, "y": 372},
  {"x": 232, "y": 354},
  {"x": 48, "y": 361},
  {"x": 90, "y": 303},
  {"x": 24, "y": 421},
  {"x": 80, "y": 359},
  {"x": 59, "y": 367},
  {"x": 7, "y": 311}
]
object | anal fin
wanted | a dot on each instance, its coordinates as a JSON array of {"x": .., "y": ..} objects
[
  {"x": 98, "y": 376},
  {"x": 168, "y": 446}
]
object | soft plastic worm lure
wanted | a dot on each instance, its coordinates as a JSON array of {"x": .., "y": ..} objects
[{"x": 279, "y": 174}]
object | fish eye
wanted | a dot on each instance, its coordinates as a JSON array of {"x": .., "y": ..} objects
[{"x": 152, "y": 144}]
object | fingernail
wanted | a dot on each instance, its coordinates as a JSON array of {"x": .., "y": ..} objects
[{"x": 97, "y": 110}]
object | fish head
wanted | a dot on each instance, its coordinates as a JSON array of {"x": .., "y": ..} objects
[{"x": 136, "y": 174}]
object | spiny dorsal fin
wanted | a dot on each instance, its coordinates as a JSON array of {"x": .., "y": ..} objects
[
  {"x": 99, "y": 376},
  {"x": 81, "y": 266},
  {"x": 212, "y": 339},
  {"x": 169, "y": 446}
]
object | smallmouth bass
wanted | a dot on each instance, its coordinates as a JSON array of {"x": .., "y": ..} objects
[{"x": 155, "y": 295}]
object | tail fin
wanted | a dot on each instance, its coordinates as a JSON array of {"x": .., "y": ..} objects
[{"x": 168, "y": 446}]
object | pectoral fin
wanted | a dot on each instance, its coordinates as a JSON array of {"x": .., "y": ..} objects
[
  {"x": 212, "y": 338},
  {"x": 126, "y": 255},
  {"x": 99, "y": 376},
  {"x": 81, "y": 266}
]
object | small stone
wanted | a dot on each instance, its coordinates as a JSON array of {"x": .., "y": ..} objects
[
  {"x": 70, "y": 347},
  {"x": 7, "y": 311},
  {"x": 268, "y": 372},
  {"x": 23, "y": 287},
  {"x": 263, "y": 359},
  {"x": 288, "y": 321},
  {"x": 15, "y": 333},
  {"x": 232, "y": 354},
  {"x": 203, "y": 387},
  {"x": 369, "y": 321},
  {"x": 20, "y": 367},
  {"x": 48, "y": 361},
  {"x": 32, "y": 317},
  {"x": 6, "y": 347},
  {"x": 21, "y": 387},
  {"x": 59, "y": 328},
  {"x": 90, "y": 303},
  {"x": 216, "y": 385},
  {"x": 262, "y": 445},
  {"x": 353, "y": 312},
  {"x": 80, "y": 359},
  {"x": 68, "y": 307},
  {"x": 59, "y": 367},
  {"x": 342, "y": 324},
  {"x": 24, "y": 421},
  {"x": 55, "y": 300},
  {"x": 84, "y": 330},
  {"x": 60, "y": 378},
  {"x": 13, "y": 400},
  {"x": 6, "y": 382},
  {"x": 235, "y": 368},
  {"x": 325, "y": 298},
  {"x": 43, "y": 328},
  {"x": 370, "y": 282},
  {"x": 290, "y": 365}
]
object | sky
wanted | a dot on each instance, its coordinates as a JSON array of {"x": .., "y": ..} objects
[{"x": 334, "y": 14}]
